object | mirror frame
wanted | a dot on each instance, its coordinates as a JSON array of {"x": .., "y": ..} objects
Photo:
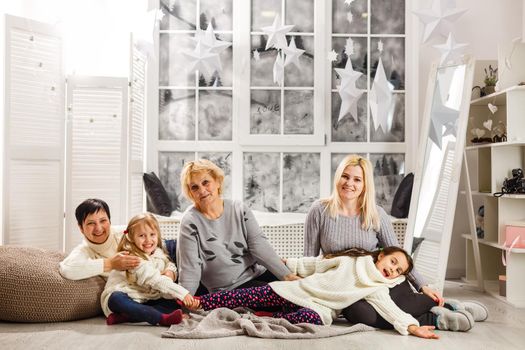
[{"x": 443, "y": 254}]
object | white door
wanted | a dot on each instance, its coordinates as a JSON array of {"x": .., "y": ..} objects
[
  {"x": 97, "y": 114},
  {"x": 33, "y": 205}
]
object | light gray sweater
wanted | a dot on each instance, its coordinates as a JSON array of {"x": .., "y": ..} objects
[
  {"x": 331, "y": 235},
  {"x": 226, "y": 252}
]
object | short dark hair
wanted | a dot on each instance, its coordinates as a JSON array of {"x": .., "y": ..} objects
[{"x": 90, "y": 206}]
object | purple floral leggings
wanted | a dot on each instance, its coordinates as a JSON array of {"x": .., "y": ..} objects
[{"x": 260, "y": 297}]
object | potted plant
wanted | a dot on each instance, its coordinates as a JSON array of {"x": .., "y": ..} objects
[{"x": 491, "y": 78}]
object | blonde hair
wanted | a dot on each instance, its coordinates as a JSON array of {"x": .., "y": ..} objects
[
  {"x": 196, "y": 167},
  {"x": 127, "y": 242},
  {"x": 367, "y": 198}
]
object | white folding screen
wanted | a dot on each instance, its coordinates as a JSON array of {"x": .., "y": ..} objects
[
  {"x": 33, "y": 205},
  {"x": 97, "y": 109},
  {"x": 136, "y": 129}
]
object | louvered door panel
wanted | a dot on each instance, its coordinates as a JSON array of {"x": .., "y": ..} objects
[
  {"x": 34, "y": 135},
  {"x": 136, "y": 135},
  {"x": 97, "y": 163}
]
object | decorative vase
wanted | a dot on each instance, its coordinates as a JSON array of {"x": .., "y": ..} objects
[{"x": 489, "y": 89}]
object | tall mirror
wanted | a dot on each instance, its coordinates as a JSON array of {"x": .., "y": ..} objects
[{"x": 438, "y": 169}]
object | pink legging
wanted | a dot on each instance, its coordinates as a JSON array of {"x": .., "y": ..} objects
[{"x": 260, "y": 297}]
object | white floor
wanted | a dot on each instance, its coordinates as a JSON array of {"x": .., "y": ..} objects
[{"x": 505, "y": 329}]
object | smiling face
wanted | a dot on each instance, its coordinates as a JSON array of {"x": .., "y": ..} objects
[
  {"x": 145, "y": 238},
  {"x": 204, "y": 189},
  {"x": 96, "y": 227},
  {"x": 392, "y": 265},
  {"x": 351, "y": 183}
]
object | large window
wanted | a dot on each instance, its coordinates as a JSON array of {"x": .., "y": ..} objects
[{"x": 278, "y": 138}]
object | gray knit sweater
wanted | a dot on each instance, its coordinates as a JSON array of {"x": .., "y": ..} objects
[
  {"x": 226, "y": 252},
  {"x": 330, "y": 235}
]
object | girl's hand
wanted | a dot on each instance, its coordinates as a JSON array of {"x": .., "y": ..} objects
[
  {"x": 433, "y": 294},
  {"x": 291, "y": 277},
  {"x": 190, "y": 302},
  {"x": 423, "y": 331},
  {"x": 170, "y": 274}
]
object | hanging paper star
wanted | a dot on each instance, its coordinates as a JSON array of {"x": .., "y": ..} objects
[
  {"x": 332, "y": 56},
  {"x": 347, "y": 90},
  {"x": 438, "y": 19},
  {"x": 382, "y": 100},
  {"x": 380, "y": 46},
  {"x": 450, "y": 50},
  {"x": 276, "y": 34},
  {"x": 278, "y": 70},
  {"x": 292, "y": 53},
  {"x": 441, "y": 116},
  {"x": 202, "y": 60},
  {"x": 256, "y": 55},
  {"x": 214, "y": 45},
  {"x": 349, "y": 17},
  {"x": 349, "y": 2},
  {"x": 349, "y": 47},
  {"x": 348, "y": 75}
]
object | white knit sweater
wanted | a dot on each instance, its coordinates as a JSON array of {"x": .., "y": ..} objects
[
  {"x": 330, "y": 285},
  {"x": 149, "y": 283},
  {"x": 87, "y": 259}
]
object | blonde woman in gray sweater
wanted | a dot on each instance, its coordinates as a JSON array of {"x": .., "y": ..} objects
[{"x": 350, "y": 218}]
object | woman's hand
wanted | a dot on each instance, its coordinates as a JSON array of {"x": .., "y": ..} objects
[
  {"x": 423, "y": 331},
  {"x": 172, "y": 275},
  {"x": 121, "y": 261},
  {"x": 433, "y": 294},
  {"x": 291, "y": 277}
]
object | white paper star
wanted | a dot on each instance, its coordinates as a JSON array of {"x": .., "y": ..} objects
[
  {"x": 347, "y": 75},
  {"x": 382, "y": 100},
  {"x": 278, "y": 70},
  {"x": 256, "y": 55},
  {"x": 450, "y": 50},
  {"x": 160, "y": 15},
  {"x": 349, "y": 47},
  {"x": 209, "y": 39},
  {"x": 349, "y": 17},
  {"x": 292, "y": 53},
  {"x": 349, "y": 2},
  {"x": 438, "y": 19},
  {"x": 276, "y": 34},
  {"x": 332, "y": 56},
  {"x": 442, "y": 116},
  {"x": 380, "y": 46},
  {"x": 201, "y": 59}
]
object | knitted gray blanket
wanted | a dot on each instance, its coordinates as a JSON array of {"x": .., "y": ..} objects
[{"x": 224, "y": 322}]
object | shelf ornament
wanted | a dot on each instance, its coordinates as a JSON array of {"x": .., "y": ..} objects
[{"x": 381, "y": 97}]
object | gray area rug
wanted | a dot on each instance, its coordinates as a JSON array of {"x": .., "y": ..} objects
[{"x": 224, "y": 322}]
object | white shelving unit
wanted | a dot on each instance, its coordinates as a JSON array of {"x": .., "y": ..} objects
[{"x": 485, "y": 168}]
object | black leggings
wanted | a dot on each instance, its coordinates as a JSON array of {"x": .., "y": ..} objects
[{"x": 416, "y": 304}]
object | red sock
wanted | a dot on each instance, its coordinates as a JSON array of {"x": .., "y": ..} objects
[
  {"x": 173, "y": 318},
  {"x": 116, "y": 318},
  {"x": 263, "y": 313}
]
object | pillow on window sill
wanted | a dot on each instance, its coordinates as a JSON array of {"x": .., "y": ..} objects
[
  {"x": 158, "y": 200},
  {"x": 401, "y": 201}
]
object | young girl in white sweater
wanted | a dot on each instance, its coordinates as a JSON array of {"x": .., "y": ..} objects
[
  {"x": 147, "y": 292},
  {"x": 329, "y": 285}
]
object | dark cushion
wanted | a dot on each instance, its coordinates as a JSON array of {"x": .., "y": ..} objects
[
  {"x": 158, "y": 199},
  {"x": 401, "y": 201},
  {"x": 32, "y": 290}
]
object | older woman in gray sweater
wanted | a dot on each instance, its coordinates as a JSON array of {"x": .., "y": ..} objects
[
  {"x": 220, "y": 243},
  {"x": 349, "y": 218}
]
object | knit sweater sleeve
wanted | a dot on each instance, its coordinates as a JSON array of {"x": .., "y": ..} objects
[
  {"x": 388, "y": 238},
  {"x": 79, "y": 265},
  {"x": 383, "y": 304},
  {"x": 303, "y": 266},
  {"x": 149, "y": 276},
  {"x": 312, "y": 230},
  {"x": 188, "y": 257},
  {"x": 260, "y": 248}
]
